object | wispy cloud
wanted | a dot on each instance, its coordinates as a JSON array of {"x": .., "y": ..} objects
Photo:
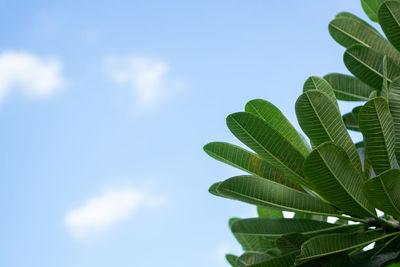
[
  {"x": 149, "y": 78},
  {"x": 100, "y": 212},
  {"x": 35, "y": 76}
]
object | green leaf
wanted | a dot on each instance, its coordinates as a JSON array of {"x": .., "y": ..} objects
[
  {"x": 263, "y": 192},
  {"x": 385, "y": 83},
  {"x": 214, "y": 190},
  {"x": 286, "y": 260},
  {"x": 320, "y": 84},
  {"x": 329, "y": 170},
  {"x": 329, "y": 244},
  {"x": 354, "y": 17},
  {"x": 275, "y": 119},
  {"x": 373, "y": 95},
  {"x": 389, "y": 19},
  {"x": 389, "y": 246},
  {"x": 248, "y": 162},
  {"x": 232, "y": 221},
  {"x": 268, "y": 143},
  {"x": 339, "y": 259},
  {"x": 290, "y": 242},
  {"x": 376, "y": 125},
  {"x": 232, "y": 259},
  {"x": 268, "y": 212},
  {"x": 371, "y": 8},
  {"x": 250, "y": 258},
  {"x": 322, "y": 122},
  {"x": 394, "y": 106},
  {"x": 366, "y": 64},
  {"x": 383, "y": 191},
  {"x": 348, "y": 88},
  {"x": 351, "y": 31},
  {"x": 351, "y": 121},
  {"x": 259, "y": 234}
]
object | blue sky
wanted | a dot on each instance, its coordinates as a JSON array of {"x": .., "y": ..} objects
[{"x": 105, "y": 107}]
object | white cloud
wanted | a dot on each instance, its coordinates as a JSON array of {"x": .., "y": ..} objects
[
  {"x": 99, "y": 213},
  {"x": 149, "y": 78},
  {"x": 35, "y": 76}
]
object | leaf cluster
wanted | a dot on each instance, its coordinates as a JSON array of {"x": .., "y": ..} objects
[{"x": 331, "y": 177}]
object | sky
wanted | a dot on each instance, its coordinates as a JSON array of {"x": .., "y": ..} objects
[{"x": 105, "y": 107}]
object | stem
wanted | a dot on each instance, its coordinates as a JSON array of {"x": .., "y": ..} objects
[
  {"x": 389, "y": 224},
  {"x": 349, "y": 218}
]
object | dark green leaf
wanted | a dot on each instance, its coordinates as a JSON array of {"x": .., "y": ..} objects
[
  {"x": 290, "y": 242},
  {"x": 264, "y": 192},
  {"x": 383, "y": 191},
  {"x": 354, "y": 31},
  {"x": 286, "y": 260},
  {"x": 371, "y": 8},
  {"x": 323, "y": 245},
  {"x": 259, "y": 234},
  {"x": 389, "y": 18},
  {"x": 322, "y": 122},
  {"x": 394, "y": 105},
  {"x": 232, "y": 259},
  {"x": 275, "y": 119},
  {"x": 251, "y": 258},
  {"x": 351, "y": 121},
  {"x": 348, "y": 88},
  {"x": 366, "y": 64},
  {"x": 329, "y": 170},
  {"x": 248, "y": 162},
  {"x": 268, "y": 143},
  {"x": 376, "y": 125},
  {"x": 320, "y": 84}
]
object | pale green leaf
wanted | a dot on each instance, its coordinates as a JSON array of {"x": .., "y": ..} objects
[{"x": 269, "y": 212}]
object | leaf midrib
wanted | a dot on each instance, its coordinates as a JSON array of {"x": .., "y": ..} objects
[
  {"x": 348, "y": 248},
  {"x": 281, "y": 206},
  {"x": 383, "y": 135},
  {"x": 388, "y": 196},
  {"x": 344, "y": 187},
  {"x": 362, "y": 62},
  {"x": 273, "y": 156},
  {"x": 351, "y": 36}
]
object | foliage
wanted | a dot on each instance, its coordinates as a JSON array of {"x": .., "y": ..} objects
[{"x": 333, "y": 177}]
